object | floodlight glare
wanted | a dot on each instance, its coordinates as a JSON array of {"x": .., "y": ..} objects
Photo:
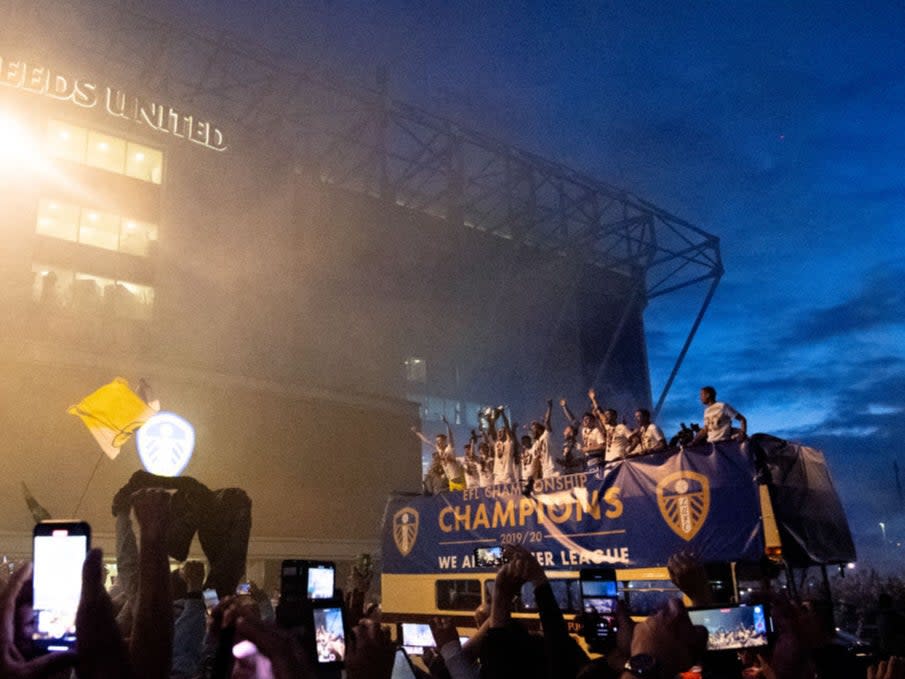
[
  {"x": 20, "y": 150},
  {"x": 165, "y": 444}
]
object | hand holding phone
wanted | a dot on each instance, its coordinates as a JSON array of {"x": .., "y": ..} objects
[
  {"x": 599, "y": 596},
  {"x": 59, "y": 549},
  {"x": 489, "y": 557},
  {"x": 734, "y": 627},
  {"x": 329, "y": 633},
  {"x": 11, "y": 661}
]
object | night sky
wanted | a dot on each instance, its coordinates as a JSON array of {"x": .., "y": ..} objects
[{"x": 779, "y": 127}]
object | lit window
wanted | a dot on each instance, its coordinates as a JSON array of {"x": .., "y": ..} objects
[
  {"x": 58, "y": 219},
  {"x": 135, "y": 237},
  {"x": 106, "y": 152},
  {"x": 88, "y": 292},
  {"x": 145, "y": 163},
  {"x": 131, "y": 300},
  {"x": 58, "y": 288},
  {"x": 66, "y": 141},
  {"x": 99, "y": 229},
  {"x": 51, "y": 286},
  {"x": 415, "y": 370},
  {"x": 103, "y": 151}
]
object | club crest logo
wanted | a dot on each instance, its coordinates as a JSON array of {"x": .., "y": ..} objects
[
  {"x": 405, "y": 530},
  {"x": 165, "y": 444},
  {"x": 684, "y": 501}
]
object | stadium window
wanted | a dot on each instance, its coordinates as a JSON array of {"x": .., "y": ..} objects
[
  {"x": 103, "y": 151},
  {"x": 143, "y": 162},
  {"x": 458, "y": 595},
  {"x": 66, "y": 141},
  {"x": 99, "y": 229},
  {"x": 57, "y": 219},
  {"x": 135, "y": 237},
  {"x": 51, "y": 286},
  {"x": 416, "y": 370},
  {"x": 58, "y": 288},
  {"x": 106, "y": 152},
  {"x": 131, "y": 300},
  {"x": 88, "y": 293}
]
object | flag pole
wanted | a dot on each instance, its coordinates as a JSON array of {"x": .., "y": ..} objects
[{"x": 97, "y": 464}]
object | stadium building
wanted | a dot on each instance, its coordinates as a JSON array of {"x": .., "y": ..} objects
[{"x": 302, "y": 268}]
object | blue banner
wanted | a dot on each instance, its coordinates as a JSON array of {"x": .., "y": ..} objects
[{"x": 633, "y": 513}]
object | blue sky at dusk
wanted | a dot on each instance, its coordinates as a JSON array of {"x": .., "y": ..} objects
[{"x": 779, "y": 127}]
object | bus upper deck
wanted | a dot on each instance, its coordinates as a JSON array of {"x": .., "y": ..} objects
[{"x": 725, "y": 502}]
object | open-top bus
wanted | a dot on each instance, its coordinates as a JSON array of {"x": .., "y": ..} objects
[{"x": 733, "y": 505}]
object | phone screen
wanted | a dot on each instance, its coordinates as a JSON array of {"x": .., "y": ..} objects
[
  {"x": 488, "y": 557},
  {"x": 210, "y": 599},
  {"x": 330, "y": 635},
  {"x": 416, "y": 636},
  {"x": 59, "y": 552},
  {"x": 402, "y": 666},
  {"x": 733, "y": 627},
  {"x": 320, "y": 581},
  {"x": 599, "y": 594}
]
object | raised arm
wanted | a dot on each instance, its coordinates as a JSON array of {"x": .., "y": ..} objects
[
  {"x": 548, "y": 415},
  {"x": 568, "y": 413},
  {"x": 506, "y": 423},
  {"x": 151, "y": 643},
  {"x": 449, "y": 434},
  {"x": 426, "y": 441},
  {"x": 596, "y": 408},
  {"x": 490, "y": 434}
]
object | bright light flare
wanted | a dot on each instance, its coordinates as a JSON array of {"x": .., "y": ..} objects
[{"x": 21, "y": 151}]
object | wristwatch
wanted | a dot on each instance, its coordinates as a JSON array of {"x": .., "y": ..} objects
[{"x": 643, "y": 666}]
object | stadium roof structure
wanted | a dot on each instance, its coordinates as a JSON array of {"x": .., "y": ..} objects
[{"x": 361, "y": 139}]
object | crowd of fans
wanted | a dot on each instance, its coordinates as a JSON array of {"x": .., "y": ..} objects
[
  {"x": 153, "y": 623},
  {"x": 495, "y": 453},
  {"x": 159, "y": 639}
]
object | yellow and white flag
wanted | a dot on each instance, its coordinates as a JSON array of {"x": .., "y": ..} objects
[{"x": 112, "y": 414}]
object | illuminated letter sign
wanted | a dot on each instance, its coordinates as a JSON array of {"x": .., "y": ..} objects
[
  {"x": 43, "y": 81},
  {"x": 165, "y": 444}
]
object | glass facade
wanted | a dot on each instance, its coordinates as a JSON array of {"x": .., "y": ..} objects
[
  {"x": 74, "y": 286},
  {"x": 103, "y": 151},
  {"x": 56, "y": 288},
  {"x": 67, "y": 221}
]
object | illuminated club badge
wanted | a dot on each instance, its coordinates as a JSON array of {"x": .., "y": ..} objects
[
  {"x": 684, "y": 501},
  {"x": 405, "y": 529},
  {"x": 165, "y": 444}
]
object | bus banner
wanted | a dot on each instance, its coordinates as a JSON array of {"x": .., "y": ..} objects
[{"x": 632, "y": 513}]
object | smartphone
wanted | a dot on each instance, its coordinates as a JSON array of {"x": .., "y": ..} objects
[
  {"x": 210, "y": 599},
  {"x": 329, "y": 633},
  {"x": 59, "y": 549},
  {"x": 599, "y": 594},
  {"x": 402, "y": 666},
  {"x": 416, "y": 636},
  {"x": 730, "y": 628},
  {"x": 488, "y": 557},
  {"x": 243, "y": 588},
  {"x": 300, "y": 579},
  {"x": 320, "y": 580}
]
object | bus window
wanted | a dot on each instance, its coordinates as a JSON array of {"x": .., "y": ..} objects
[
  {"x": 645, "y": 597},
  {"x": 458, "y": 595},
  {"x": 566, "y": 592}
]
